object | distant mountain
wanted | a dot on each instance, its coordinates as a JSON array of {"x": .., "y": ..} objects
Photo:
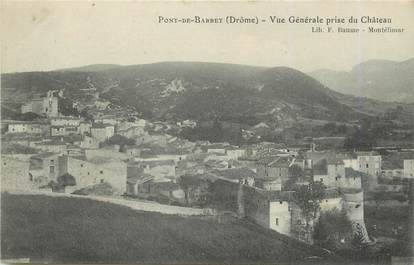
[{"x": 376, "y": 79}]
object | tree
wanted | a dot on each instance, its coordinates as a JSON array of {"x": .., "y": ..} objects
[
  {"x": 120, "y": 140},
  {"x": 333, "y": 227},
  {"x": 62, "y": 182},
  {"x": 66, "y": 107},
  {"x": 295, "y": 172},
  {"x": 196, "y": 190},
  {"x": 307, "y": 197},
  {"x": 66, "y": 180}
]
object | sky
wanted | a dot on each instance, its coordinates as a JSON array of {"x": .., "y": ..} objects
[{"x": 42, "y": 36}]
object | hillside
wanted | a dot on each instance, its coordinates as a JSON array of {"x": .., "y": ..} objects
[
  {"x": 376, "y": 79},
  {"x": 224, "y": 99},
  {"x": 91, "y": 68},
  {"x": 200, "y": 91},
  {"x": 68, "y": 230}
]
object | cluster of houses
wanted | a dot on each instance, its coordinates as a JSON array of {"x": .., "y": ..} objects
[{"x": 137, "y": 158}]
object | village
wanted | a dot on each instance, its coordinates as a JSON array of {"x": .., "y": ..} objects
[{"x": 116, "y": 154}]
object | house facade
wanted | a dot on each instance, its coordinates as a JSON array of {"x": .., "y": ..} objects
[{"x": 408, "y": 168}]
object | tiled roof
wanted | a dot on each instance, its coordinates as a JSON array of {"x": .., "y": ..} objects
[
  {"x": 235, "y": 173},
  {"x": 350, "y": 173}
]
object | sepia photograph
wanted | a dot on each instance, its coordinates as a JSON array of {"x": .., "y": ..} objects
[{"x": 207, "y": 132}]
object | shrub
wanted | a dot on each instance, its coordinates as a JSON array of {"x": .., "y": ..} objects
[{"x": 333, "y": 230}]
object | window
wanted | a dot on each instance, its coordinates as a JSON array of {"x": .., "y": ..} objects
[
  {"x": 367, "y": 166},
  {"x": 52, "y": 169},
  {"x": 4, "y": 163},
  {"x": 102, "y": 181},
  {"x": 52, "y": 161},
  {"x": 321, "y": 179},
  {"x": 89, "y": 173},
  {"x": 277, "y": 221},
  {"x": 81, "y": 165},
  {"x": 101, "y": 171},
  {"x": 357, "y": 206},
  {"x": 298, "y": 222}
]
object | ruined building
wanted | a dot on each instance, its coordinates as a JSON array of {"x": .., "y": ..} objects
[{"x": 44, "y": 106}]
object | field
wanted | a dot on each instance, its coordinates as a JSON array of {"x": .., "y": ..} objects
[{"x": 63, "y": 230}]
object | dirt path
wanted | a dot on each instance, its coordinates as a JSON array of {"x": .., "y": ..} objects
[{"x": 135, "y": 205}]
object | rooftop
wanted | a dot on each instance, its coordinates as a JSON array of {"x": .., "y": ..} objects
[
  {"x": 235, "y": 173},
  {"x": 275, "y": 161}
]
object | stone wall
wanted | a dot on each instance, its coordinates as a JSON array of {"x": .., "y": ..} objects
[
  {"x": 15, "y": 174},
  {"x": 354, "y": 206}
]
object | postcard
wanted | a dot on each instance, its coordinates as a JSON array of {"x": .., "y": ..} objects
[{"x": 207, "y": 132}]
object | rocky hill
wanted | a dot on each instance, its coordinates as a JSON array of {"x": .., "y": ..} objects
[
  {"x": 199, "y": 91},
  {"x": 376, "y": 79}
]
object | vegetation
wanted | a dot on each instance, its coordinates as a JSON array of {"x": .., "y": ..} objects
[
  {"x": 333, "y": 230},
  {"x": 120, "y": 140},
  {"x": 214, "y": 133},
  {"x": 75, "y": 230},
  {"x": 295, "y": 173},
  {"x": 197, "y": 191},
  {"x": 100, "y": 189},
  {"x": 307, "y": 197},
  {"x": 62, "y": 182},
  {"x": 386, "y": 220},
  {"x": 66, "y": 107}
]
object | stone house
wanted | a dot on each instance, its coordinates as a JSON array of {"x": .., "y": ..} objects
[
  {"x": 216, "y": 148},
  {"x": 89, "y": 142},
  {"x": 111, "y": 152},
  {"x": 333, "y": 174},
  {"x": 369, "y": 162},
  {"x": 133, "y": 150},
  {"x": 28, "y": 127},
  {"x": 161, "y": 170},
  {"x": 244, "y": 176},
  {"x": 391, "y": 172},
  {"x": 97, "y": 170},
  {"x": 269, "y": 209},
  {"x": 53, "y": 146},
  {"x": 235, "y": 153},
  {"x": 102, "y": 132},
  {"x": 63, "y": 130},
  {"x": 65, "y": 121},
  {"x": 138, "y": 183},
  {"x": 134, "y": 133},
  {"x": 46, "y": 167},
  {"x": 408, "y": 168},
  {"x": 84, "y": 127},
  {"x": 272, "y": 172}
]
